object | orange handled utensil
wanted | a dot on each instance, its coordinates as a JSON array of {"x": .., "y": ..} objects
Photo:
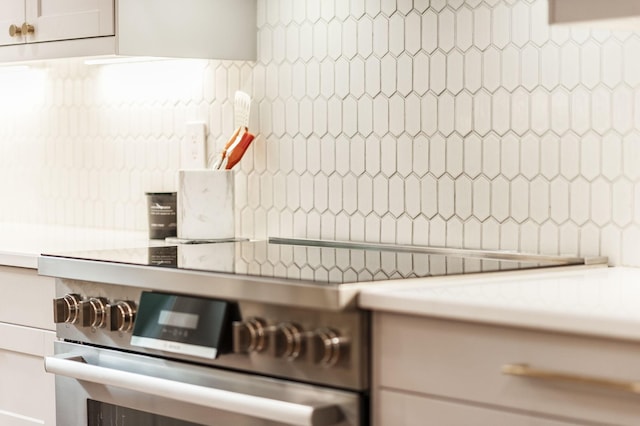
[
  {"x": 221, "y": 156},
  {"x": 238, "y": 151}
]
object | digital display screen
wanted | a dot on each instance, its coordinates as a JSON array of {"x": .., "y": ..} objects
[
  {"x": 187, "y": 325},
  {"x": 178, "y": 319}
]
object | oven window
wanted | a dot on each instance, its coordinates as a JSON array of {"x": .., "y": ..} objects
[{"x": 103, "y": 414}]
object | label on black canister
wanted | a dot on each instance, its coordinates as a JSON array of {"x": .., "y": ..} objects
[{"x": 162, "y": 214}]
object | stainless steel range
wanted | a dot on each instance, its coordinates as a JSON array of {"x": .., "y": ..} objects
[{"x": 234, "y": 333}]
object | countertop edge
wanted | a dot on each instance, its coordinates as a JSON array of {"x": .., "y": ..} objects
[
  {"x": 537, "y": 320},
  {"x": 19, "y": 260},
  {"x": 403, "y": 301},
  {"x": 21, "y": 243}
]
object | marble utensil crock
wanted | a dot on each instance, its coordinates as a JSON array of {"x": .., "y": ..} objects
[{"x": 206, "y": 204}]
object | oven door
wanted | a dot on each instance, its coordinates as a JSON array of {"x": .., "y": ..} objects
[{"x": 96, "y": 387}]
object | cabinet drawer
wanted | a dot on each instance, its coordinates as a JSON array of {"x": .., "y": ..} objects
[
  {"x": 401, "y": 409},
  {"x": 26, "y": 298},
  {"x": 27, "y": 392},
  {"x": 464, "y": 361}
]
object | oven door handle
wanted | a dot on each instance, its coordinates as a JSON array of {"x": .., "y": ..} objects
[{"x": 75, "y": 366}]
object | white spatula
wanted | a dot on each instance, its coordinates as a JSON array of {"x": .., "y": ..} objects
[{"x": 242, "y": 109}]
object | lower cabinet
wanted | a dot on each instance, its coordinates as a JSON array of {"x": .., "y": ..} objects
[
  {"x": 430, "y": 371},
  {"x": 398, "y": 408},
  {"x": 27, "y": 392}
]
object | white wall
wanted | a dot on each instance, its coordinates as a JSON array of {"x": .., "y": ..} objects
[{"x": 463, "y": 123}]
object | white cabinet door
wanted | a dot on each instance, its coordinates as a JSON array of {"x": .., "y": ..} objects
[
  {"x": 11, "y": 13},
  {"x": 27, "y": 394},
  {"x": 69, "y": 19},
  {"x": 27, "y": 391}
]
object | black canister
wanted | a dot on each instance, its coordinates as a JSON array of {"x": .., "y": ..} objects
[{"x": 161, "y": 208}]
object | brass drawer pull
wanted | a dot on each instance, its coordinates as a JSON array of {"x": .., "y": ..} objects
[{"x": 524, "y": 370}]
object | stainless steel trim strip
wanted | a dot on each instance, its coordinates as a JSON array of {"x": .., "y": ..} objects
[
  {"x": 287, "y": 292},
  {"x": 444, "y": 251}
]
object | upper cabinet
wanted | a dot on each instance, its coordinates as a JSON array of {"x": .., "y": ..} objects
[
  {"x": 69, "y": 19},
  {"x": 12, "y": 13},
  {"x": 612, "y": 14},
  {"x": 48, "y": 29}
]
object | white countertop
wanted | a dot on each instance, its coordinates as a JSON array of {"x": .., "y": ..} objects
[
  {"x": 21, "y": 244},
  {"x": 592, "y": 301}
]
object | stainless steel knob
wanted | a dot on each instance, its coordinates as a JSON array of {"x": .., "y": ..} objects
[
  {"x": 249, "y": 335},
  {"x": 121, "y": 315},
  {"x": 327, "y": 347},
  {"x": 286, "y": 340},
  {"x": 93, "y": 312},
  {"x": 66, "y": 309}
]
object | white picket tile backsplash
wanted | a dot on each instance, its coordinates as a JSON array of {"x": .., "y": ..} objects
[{"x": 461, "y": 122}]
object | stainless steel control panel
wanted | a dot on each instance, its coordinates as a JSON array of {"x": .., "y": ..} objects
[{"x": 326, "y": 347}]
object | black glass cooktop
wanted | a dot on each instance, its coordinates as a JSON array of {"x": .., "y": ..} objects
[{"x": 322, "y": 261}]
